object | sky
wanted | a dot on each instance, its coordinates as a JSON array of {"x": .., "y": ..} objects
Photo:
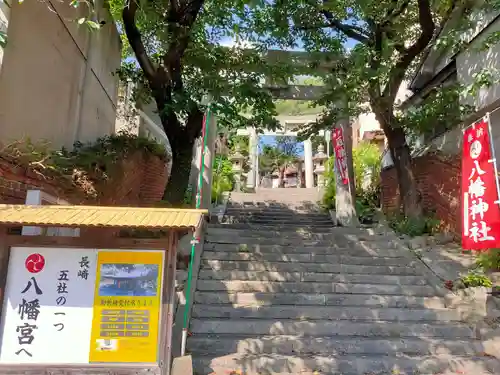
[
  {"x": 229, "y": 42},
  {"x": 271, "y": 140}
]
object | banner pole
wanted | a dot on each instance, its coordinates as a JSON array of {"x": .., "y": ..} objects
[{"x": 494, "y": 155}]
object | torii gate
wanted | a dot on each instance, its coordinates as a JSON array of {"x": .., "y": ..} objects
[
  {"x": 302, "y": 61},
  {"x": 252, "y": 176}
]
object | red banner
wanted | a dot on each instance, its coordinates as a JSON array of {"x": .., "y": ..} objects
[
  {"x": 480, "y": 210},
  {"x": 340, "y": 156}
]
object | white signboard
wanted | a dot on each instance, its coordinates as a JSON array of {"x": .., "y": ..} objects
[{"x": 48, "y": 305}]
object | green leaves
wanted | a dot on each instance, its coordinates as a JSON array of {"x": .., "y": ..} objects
[
  {"x": 90, "y": 24},
  {"x": 3, "y": 39},
  {"x": 440, "y": 111},
  {"x": 232, "y": 75}
]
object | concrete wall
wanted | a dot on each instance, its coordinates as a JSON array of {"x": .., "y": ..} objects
[{"x": 56, "y": 81}]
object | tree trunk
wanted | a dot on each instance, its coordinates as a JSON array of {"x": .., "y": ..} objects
[
  {"x": 182, "y": 140},
  {"x": 401, "y": 157},
  {"x": 182, "y": 155}
]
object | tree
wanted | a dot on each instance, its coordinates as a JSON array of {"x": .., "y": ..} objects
[
  {"x": 177, "y": 60},
  {"x": 387, "y": 40},
  {"x": 279, "y": 156},
  {"x": 288, "y": 146}
]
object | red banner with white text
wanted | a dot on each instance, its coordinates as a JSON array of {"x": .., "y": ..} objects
[
  {"x": 340, "y": 155},
  {"x": 480, "y": 209}
]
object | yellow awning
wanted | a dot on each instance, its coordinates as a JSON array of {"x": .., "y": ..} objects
[{"x": 98, "y": 216}]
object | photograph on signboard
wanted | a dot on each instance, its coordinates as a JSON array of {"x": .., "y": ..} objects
[{"x": 139, "y": 280}]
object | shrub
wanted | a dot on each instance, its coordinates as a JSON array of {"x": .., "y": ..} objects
[
  {"x": 489, "y": 260},
  {"x": 366, "y": 162},
  {"x": 223, "y": 178},
  {"x": 474, "y": 279},
  {"x": 87, "y": 163},
  {"x": 328, "y": 200},
  {"x": 413, "y": 227}
]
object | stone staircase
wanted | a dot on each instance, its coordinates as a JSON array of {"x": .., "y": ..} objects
[{"x": 280, "y": 291}]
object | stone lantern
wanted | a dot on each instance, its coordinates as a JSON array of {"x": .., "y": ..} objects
[
  {"x": 319, "y": 165},
  {"x": 237, "y": 159}
]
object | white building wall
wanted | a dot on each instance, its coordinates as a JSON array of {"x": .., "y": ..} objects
[
  {"x": 469, "y": 62},
  {"x": 474, "y": 60},
  {"x": 4, "y": 22}
]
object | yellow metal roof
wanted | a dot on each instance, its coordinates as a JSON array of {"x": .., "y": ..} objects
[{"x": 98, "y": 216}]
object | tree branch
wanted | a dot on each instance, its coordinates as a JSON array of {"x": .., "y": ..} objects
[
  {"x": 374, "y": 83},
  {"x": 397, "y": 73},
  {"x": 350, "y": 31},
  {"x": 180, "y": 20},
  {"x": 135, "y": 40}
]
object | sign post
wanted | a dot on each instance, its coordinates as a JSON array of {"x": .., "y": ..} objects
[
  {"x": 480, "y": 204},
  {"x": 98, "y": 303},
  {"x": 345, "y": 197}
]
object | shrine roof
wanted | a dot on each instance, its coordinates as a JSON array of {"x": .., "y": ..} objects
[{"x": 100, "y": 216}]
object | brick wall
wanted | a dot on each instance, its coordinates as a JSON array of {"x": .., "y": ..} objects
[
  {"x": 439, "y": 185},
  {"x": 139, "y": 180},
  {"x": 15, "y": 181}
]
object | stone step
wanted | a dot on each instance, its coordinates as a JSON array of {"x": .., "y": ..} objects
[
  {"x": 333, "y": 241},
  {"x": 270, "y": 227},
  {"x": 365, "y": 314},
  {"x": 349, "y": 345},
  {"x": 313, "y": 287},
  {"x": 310, "y": 277},
  {"x": 279, "y": 215},
  {"x": 320, "y": 299},
  {"x": 230, "y": 265},
  {"x": 280, "y": 223},
  {"x": 276, "y": 364},
  {"x": 336, "y": 329},
  {"x": 236, "y": 239},
  {"x": 308, "y": 258},
  {"x": 280, "y": 208},
  {"x": 324, "y": 220},
  {"x": 270, "y": 232},
  {"x": 357, "y": 250},
  {"x": 274, "y": 213},
  {"x": 361, "y": 230}
]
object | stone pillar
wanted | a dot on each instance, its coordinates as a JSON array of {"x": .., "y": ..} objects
[
  {"x": 299, "y": 174},
  {"x": 195, "y": 168},
  {"x": 257, "y": 171},
  {"x": 237, "y": 159},
  {"x": 211, "y": 134},
  {"x": 308, "y": 163},
  {"x": 345, "y": 199},
  {"x": 252, "y": 158}
]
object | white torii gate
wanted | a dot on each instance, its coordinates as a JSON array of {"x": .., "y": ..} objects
[{"x": 252, "y": 177}]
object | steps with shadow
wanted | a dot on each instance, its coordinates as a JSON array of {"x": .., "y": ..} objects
[{"x": 343, "y": 301}]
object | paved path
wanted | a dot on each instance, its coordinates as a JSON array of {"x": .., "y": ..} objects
[{"x": 282, "y": 292}]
